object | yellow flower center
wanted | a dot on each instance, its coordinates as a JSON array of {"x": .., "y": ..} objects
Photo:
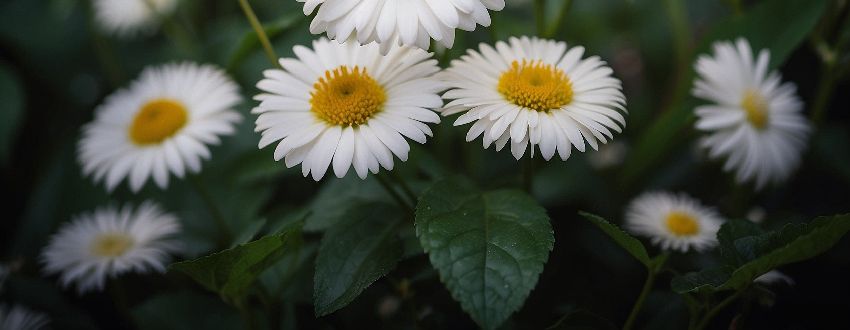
[
  {"x": 756, "y": 108},
  {"x": 346, "y": 97},
  {"x": 536, "y": 85},
  {"x": 158, "y": 120},
  {"x": 682, "y": 224},
  {"x": 111, "y": 245}
]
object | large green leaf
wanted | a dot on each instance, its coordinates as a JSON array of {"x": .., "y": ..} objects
[
  {"x": 11, "y": 110},
  {"x": 489, "y": 247},
  {"x": 764, "y": 252},
  {"x": 231, "y": 272},
  {"x": 337, "y": 197},
  {"x": 356, "y": 253},
  {"x": 729, "y": 233},
  {"x": 778, "y": 25},
  {"x": 626, "y": 241}
]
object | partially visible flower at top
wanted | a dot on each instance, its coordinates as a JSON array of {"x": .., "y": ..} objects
[
  {"x": 346, "y": 105},
  {"x": 18, "y": 317},
  {"x": 673, "y": 221},
  {"x": 129, "y": 17},
  {"x": 161, "y": 123},
  {"x": 774, "y": 277},
  {"x": 110, "y": 242},
  {"x": 402, "y": 22},
  {"x": 535, "y": 92},
  {"x": 756, "y": 121}
]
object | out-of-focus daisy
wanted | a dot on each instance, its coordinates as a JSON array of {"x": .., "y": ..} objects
[
  {"x": 535, "y": 92},
  {"x": 390, "y": 22},
  {"x": 21, "y": 318},
  {"x": 674, "y": 222},
  {"x": 110, "y": 242},
  {"x": 161, "y": 123},
  {"x": 774, "y": 277},
  {"x": 127, "y": 17},
  {"x": 346, "y": 105},
  {"x": 756, "y": 121}
]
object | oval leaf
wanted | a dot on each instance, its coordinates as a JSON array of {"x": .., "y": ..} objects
[
  {"x": 489, "y": 247},
  {"x": 354, "y": 254}
]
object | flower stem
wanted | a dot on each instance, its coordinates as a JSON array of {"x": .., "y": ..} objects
[
  {"x": 394, "y": 194},
  {"x": 540, "y": 16},
  {"x": 652, "y": 272},
  {"x": 261, "y": 33},
  {"x": 224, "y": 237},
  {"x": 826, "y": 86},
  {"x": 716, "y": 309}
]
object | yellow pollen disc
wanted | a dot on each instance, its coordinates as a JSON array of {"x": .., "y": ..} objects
[
  {"x": 346, "y": 97},
  {"x": 536, "y": 85},
  {"x": 158, "y": 120},
  {"x": 111, "y": 245},
  {"x": 756, "y": 108},
  {"x": 682, "y": 224}
]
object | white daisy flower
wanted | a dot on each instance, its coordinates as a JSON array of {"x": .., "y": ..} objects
[
  {"x": 128, "y": 17},
  {"x": 390, "y": 22},
  {"x": 110, "y": 242},
  {"x": 756, "y": 121},
  {"x": 161, "y": 123},
  {"x": 346, "y": 105},
  {"x": 674, "y": 222},
  {"x": 21, "y": 318},
  {"x": 535, "y": 92}
]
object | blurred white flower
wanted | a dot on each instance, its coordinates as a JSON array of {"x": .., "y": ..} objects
[
  {"x": 535, "y": 92},
  {"x": 609, "y": 155},
  {"x": 161, "y": 123},
  {"x": 403, "y": 22},
  {"x": 128, "y": 17},
  {"x": 774, "y": 277},
  {"x": 673, "y": 221},
  {"x": 756, "y": 121},
  {"x": 110, "y": 242},
  {"x": 347, "y": 105},
  {"x": 756, "y": 214},
  {"x": 21, "y": 318}
]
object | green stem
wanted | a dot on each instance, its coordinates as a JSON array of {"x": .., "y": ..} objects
[
  {"x": 224, "y": 237},
  {"x": 247, "y": 316},
  {"x": 261, "y": 33},
  {"x": 652, "y": 272},
  {"x": 528, "y": 174},
  {"x": 559, "y": 21},
  {"x": 826, "y": 86},
  {"x": 706, "y": 320},
  {"x": 394, "y": 194},
  {"x": 540, "y": 16},
  {"x": 404, "y": 187}
]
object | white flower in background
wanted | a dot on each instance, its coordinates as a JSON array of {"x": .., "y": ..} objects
[
  {"x": 110, "y": 242},
  {"x": 535, "y": 92},
  {"x": 403, "y": 22},
  {"x": 609, "y": 155},
  {"x": 756, "y": 121},
  {"x": 673, "y": 221},
  {"x": 756, "y": 214},
  {"x": 128, "y": 17},
  {"x": 21, "y": 318},
  {"x": 774, "y": 277},
  {"x": 161, "y": 123},
  {"x": 346, "y": 105}
]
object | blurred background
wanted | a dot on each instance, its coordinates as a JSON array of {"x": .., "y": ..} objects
[{"x": 56, "y": 66}]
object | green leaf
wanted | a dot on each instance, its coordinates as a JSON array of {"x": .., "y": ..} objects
[
  {"x": 489, "y": 247},
  {"x": 626, "y": 241},
  {"x": 354, "y": 254},
  {"x": 184, "y": 310},
  {"x": 778, "y": 25},
  {"x": 765, "y": 252},
  {"x": 231, "y": 272},
  {"x": 11, "y": 110},
  {"x": 337, "y": 197},
  {"x": 728, "y": 233},
  {"x": 251, "y": 229}
]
